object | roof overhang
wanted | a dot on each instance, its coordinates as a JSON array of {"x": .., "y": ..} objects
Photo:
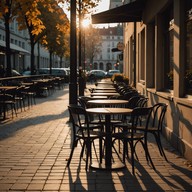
[
  {"x": 131, "y": 12},
  {"x": 14, "y": 48}
]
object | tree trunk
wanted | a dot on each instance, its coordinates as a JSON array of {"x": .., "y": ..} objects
[
  {"x": 33, "y": 71},
  {"x": 8, "y": 49},
  {"x": 61, "y": 59},
  {"x": 50, "y": 61}
]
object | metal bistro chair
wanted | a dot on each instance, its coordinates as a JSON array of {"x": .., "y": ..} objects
[
  {"x": 132, "y": 136},
  {"x": 6, "y": 101},
  {"x": 95, "y": 119},
  {"x": 83, "y": 130},
  {"x": 158, "y": 115}
]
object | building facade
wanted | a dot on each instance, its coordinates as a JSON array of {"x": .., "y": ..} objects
[
  {"x": 158, "y": 59},
  {"x": 115, "y": 3},
  {"x": 106, "y": 59},
  {"x": 20, "y": 49}
]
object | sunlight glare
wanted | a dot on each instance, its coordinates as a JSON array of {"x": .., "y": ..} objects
[{"x": 86, "y": 22}]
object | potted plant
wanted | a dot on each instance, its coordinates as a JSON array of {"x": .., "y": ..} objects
[
  {"x": 170, "y": 78},
  {"x": 188, "y": 79}
]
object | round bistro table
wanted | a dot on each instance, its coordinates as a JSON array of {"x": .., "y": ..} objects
[{"x": 108, "y": 112}]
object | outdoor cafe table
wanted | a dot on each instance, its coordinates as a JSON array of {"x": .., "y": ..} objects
[
  {"x": 104, "y": 85},
  {"x": 97, "y": 97},
  {"x": 3, "y": 90},
  {"x": 108, "y": 112},
  {"x": 104, "y": 88},
  {"x": 105, "y": 82},
  {"x": 104, "y": 91},
  {"x": 105, "y": 102},
  {"x": 105, "y": 94}
]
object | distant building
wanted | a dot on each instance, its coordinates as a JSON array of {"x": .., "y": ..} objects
[
  {"x": 110, "y": 37},
  {"x": 115, "y": 3},
  {"x": 158, "y": 60},
  {"x": 106, "y": 59},
  {"x": 20, "y": 46}
]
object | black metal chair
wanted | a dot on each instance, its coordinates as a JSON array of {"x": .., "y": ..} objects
[
  {"x": 132, "y": 136},
  {"x": 83, "y": 130},
  {"x": 158, "y": 115},
  {"x": 7, "y": 103}
]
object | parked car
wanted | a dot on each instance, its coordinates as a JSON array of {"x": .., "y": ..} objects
[
  {"x": 110, "y": 73},
  {"x": 26, "y": 73},
  {"x": 60, "y": 72},
  {"x": 96, "y": 74}
]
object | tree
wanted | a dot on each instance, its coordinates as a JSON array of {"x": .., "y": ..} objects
[
  {"x": 7, "y": 13},
  {"x": 56, "y": 33},
  {"x": 93, "y": 41},
  {"x": 29, "y": 17},
  {"x": 27, "y": 14}
]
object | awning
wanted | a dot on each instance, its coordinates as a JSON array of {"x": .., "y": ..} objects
[
  {"x": 14, "y": 48},
  {"x": 131, "y": 12}
]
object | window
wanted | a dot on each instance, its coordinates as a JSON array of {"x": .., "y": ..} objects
[
  {"x": 95, "y": 66},
  {"x": 142, "y": 57},
  {"x": 101, "y": 66},
  {"x": 168, "y": 50},
  {"x": 188, "y": 74}
]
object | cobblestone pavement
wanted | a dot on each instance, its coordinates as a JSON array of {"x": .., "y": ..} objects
[{"x": 35, "y": 145}]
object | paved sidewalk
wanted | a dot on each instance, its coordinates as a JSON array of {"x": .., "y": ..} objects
[{"x": 34, "y": 148}]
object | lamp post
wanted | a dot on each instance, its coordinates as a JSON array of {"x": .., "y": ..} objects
[
  {"x": 81, "y": 80},
  {"x": 73, "y": 56}
]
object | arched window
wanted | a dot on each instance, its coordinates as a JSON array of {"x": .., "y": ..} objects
[{"x": 101, "y": 66}]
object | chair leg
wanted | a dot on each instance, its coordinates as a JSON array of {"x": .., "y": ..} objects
[
  {"x": 88, "y": 154},
  {"x": 132, "y": 157},
  {"x": 100, "y": 150},
  {"x": 160, "y": 147},
  {"x": 71, "y": 154},
  {"x": 147, "y": 155}
]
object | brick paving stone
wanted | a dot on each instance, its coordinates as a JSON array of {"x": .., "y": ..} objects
[{"x": 35, "y": 146}]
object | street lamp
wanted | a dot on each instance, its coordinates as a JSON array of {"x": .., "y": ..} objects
[
  {"x": 81, "y": 88},
  {"x": 73, "y": 56}
]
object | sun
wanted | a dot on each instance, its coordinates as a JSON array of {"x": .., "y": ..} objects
[{"x": 86, "y": 22}]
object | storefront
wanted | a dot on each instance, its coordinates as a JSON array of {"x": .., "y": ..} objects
[{"x": 158, "y": 60}]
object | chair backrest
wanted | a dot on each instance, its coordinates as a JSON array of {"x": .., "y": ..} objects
[
  {"x": 158, "y": 115},
  {"x": 138, "y": 113},
  {"x": 6, "y": 97},
  {"x": 83, "y": 101},
  {"x": 142, "y": 102},
  {"x": 79, "y": 118},
  {"x": 132, "y": 102}
]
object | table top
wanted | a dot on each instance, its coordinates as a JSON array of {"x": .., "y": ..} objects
[
  {"x": 41, "y": 80},
  {"x": 104, "y": 88},
  {"x": 105, "y": 94},
  {"x": 109, "y": 111},
  {"x": 8, "y": 87},
  {"x": 104, "y": 91},
  {"x": 98, "y": 97},
  {"x": 107, "y": 101},
  {"x": 105, "y": 82},
  {"x": 27, "y": 83}
]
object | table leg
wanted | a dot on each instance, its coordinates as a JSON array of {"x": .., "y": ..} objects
[
  {"x": 108, "y": 165},
  {"x": 108, "y": 142}
]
